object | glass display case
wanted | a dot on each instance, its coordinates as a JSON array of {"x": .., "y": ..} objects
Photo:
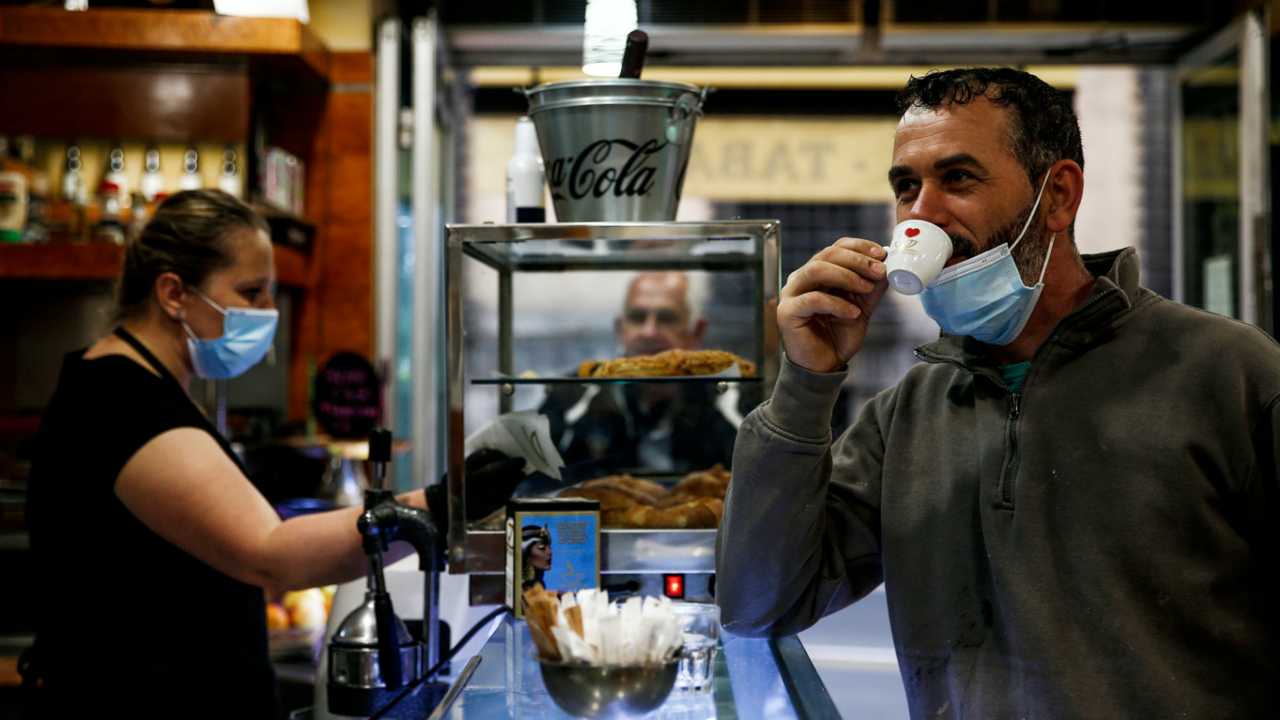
[{"x": 538, "y": 319}]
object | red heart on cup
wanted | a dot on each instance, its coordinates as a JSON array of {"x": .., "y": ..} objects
[{"x": 912, "y": 232}]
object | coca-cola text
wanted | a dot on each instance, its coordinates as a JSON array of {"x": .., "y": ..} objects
[{"x": 581, "y": 175}]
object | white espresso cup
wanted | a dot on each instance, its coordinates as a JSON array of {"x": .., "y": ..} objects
[{"x": 916, "y": 255}]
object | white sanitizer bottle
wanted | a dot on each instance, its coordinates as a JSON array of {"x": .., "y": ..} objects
[{"x": 525, "y": 202}]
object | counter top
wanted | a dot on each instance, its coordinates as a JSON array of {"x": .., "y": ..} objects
[{"x": 754, "y": 678}]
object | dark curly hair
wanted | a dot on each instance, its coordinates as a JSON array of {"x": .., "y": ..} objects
[
  {"x": 187, "y": 236},
  {"x": 1043, "y": 127}
]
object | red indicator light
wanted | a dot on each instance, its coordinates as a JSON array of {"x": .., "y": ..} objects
[{"x": 673, "y": 586}]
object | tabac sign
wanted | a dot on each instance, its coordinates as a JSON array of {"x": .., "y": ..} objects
[{"x": 792, "y": 160}]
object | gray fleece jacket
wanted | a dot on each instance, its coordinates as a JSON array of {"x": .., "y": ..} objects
[{"x": 1102, "y": 545}]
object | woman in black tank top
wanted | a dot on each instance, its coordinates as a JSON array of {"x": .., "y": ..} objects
[{"x": 152, "y": 546}]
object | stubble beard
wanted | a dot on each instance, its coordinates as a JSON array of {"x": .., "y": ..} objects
[{"x": 1029, "y": 255}]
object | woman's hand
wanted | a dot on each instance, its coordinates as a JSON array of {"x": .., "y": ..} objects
[{"x": 491, "y": 477}]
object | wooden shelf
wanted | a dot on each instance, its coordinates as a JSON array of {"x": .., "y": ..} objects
[
  {"x": 185, "y": 32},
  {"x": 270, "y": 212},
  {"x": 287, "y": 230},
  {"x": 61, "y": 261},
  {"x": 293, "y": 267},
  {"x": 97, "y": 261},
  {"x": 165, "y": 75}
]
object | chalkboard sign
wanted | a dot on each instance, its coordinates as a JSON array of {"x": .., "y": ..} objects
[{"x": 348, "y": 396}]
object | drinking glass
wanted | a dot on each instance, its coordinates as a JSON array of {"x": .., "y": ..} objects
[{"x": 700, "y": 628}]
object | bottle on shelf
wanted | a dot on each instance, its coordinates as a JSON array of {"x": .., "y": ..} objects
[
  {"x": 229, "y": 181},
  {"x": 23, "y": 147},
  {"x": 525, "y": 177},
  {"x": 152, "y": 183},
  {"x": 190, "y": 179},
  {"x": 73, "y": 189},
  {"x": 115, "y": 174},
  {"x": 110, "y": 226},
  {"x": 140, "y": 213},
  {"x": 13, "y": 205},
  {"x": 109, "y": 200},
  {"x": 37, "y": 229},
  {"x": 67, "y": 216}
]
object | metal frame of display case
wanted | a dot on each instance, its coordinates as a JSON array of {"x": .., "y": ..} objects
[{"x": 622, "y": 551}]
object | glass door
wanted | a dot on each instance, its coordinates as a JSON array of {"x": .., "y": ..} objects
[
  {"x": 1222, "y": 194},
  {"x": 1207, "y": 139},
  {"x": 416, "y": 125},
  {"x": 1273, "y": 157}
]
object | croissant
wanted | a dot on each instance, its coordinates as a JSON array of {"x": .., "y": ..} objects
[
  {"x": 673, "y": 499},
  {"x": 668, "y": 362},
  {"x": 701, "y": 513},
  {"x": 716, "y": 471},
  {"x": 710, "y": 362},
  {"x": 697, "y": 501},
  {"x": 713, "y": 482},
  {"x": 587, "y": 368},
  {"x": 609, "y": 498},
  {"x": 644, "y": 491}
]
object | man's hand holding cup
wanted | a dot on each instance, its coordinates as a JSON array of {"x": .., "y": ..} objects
[{"x": 825, "y": 306}]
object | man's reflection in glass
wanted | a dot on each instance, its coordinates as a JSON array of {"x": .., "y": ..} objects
[{"x": 648, "y": 427}]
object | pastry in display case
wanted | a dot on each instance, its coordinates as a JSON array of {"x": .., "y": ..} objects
[
  {"x": 627, "y": 502},
  {"x": 668, "y": 363},
  {"x": 629, "y": 352}
]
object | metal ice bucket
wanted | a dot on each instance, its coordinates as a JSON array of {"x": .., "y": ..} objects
[{"x": 615, "y": 150}]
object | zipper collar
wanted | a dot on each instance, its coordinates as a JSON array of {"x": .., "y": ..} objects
[{"x": 1115, "y": 293}]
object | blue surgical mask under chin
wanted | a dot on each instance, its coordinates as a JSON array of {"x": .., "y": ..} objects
[
  {"x": 984, "y": 297},
  {"x": 246, "y": 337}
]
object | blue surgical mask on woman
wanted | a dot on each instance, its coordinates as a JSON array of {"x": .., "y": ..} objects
[
  {"x": 246, "y": 337},
  {"x": 984, "y": 297}
]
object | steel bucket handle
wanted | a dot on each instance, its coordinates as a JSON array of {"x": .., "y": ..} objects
[{"x": 681, "y": 115}]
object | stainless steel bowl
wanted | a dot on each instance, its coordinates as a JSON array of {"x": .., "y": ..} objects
[{"x": 608, "y": 692}]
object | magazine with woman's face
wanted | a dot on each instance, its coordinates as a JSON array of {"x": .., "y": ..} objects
[{"x": 557, "y": 549}]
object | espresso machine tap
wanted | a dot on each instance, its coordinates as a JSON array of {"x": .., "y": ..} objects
[{"x": 372, "y": 655}]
